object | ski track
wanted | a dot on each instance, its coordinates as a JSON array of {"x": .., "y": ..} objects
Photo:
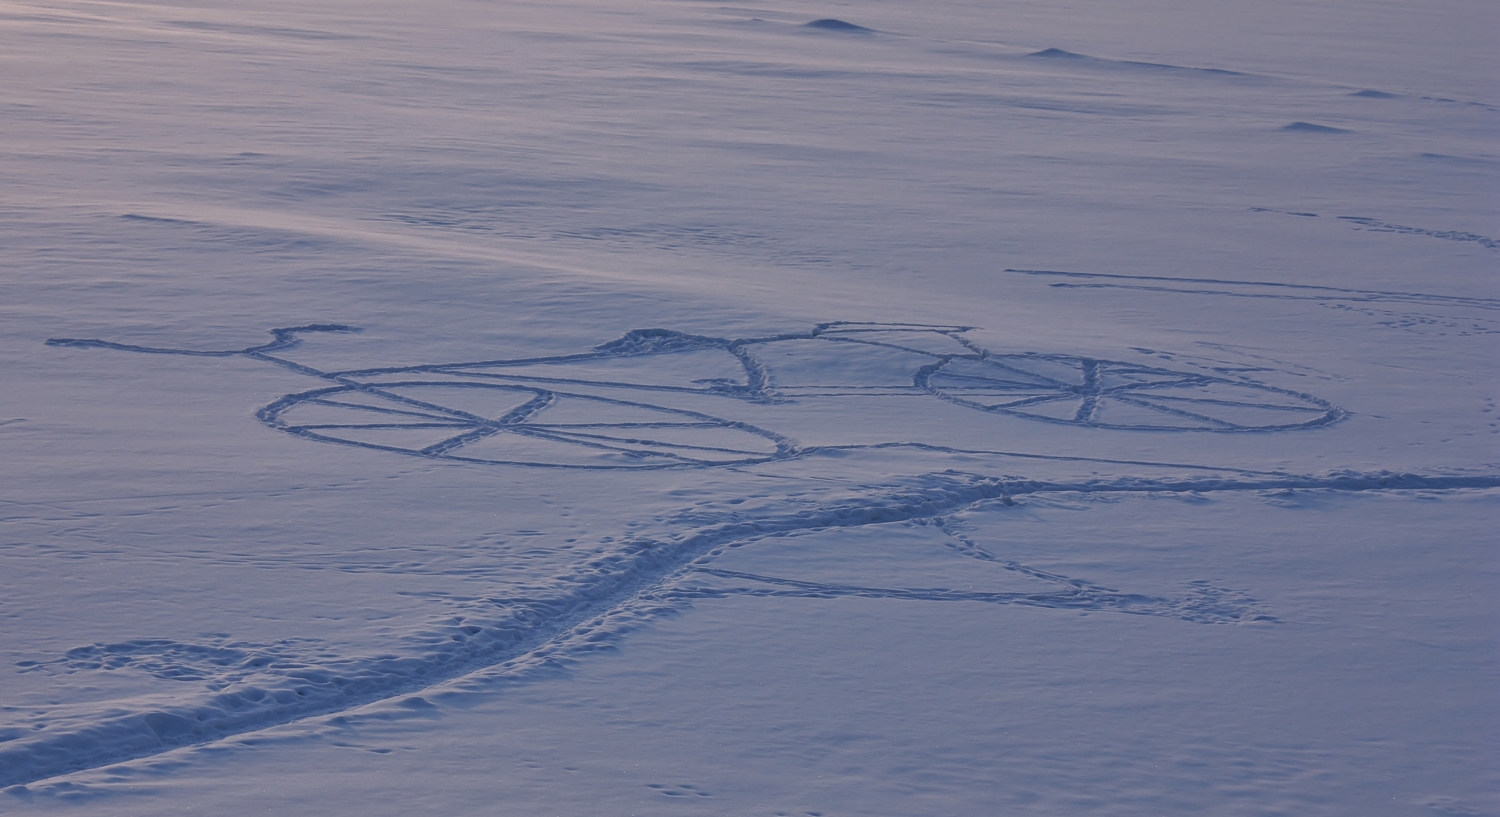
[
  {"x": 1378, "y": 226},
  {"x": 1263, "y": 289},
  {"x": 1454, "y": 320},
  {"x": 252, "y": 687}
]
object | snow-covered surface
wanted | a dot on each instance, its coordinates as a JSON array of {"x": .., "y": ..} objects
[{"x": 675, "y": 408}]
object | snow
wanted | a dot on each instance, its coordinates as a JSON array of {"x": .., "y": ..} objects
[{"x": 803, "y": 409}]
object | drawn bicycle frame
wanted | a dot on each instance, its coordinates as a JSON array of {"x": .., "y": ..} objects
[{"x": 541, "y": 412}]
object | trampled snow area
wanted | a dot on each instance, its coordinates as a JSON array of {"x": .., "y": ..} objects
[{"x": 669, "y": 408}]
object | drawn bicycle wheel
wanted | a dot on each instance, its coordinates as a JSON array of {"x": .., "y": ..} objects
[
  {"x": 509, "y": 424},
  {"x": 1116, "y": 395}
]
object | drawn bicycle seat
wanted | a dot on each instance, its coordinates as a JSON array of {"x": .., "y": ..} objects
[{"x": 639, "y": 401}]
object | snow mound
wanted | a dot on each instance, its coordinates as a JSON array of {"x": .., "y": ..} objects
[
  {"x": 831, "y": 24},
  {"x": 1308, "y": 127}
]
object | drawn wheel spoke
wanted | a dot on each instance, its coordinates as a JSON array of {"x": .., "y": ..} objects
[
  {"x": 488, "y": 422},
  {"x": 1122, "y": 396},
  {"x": 1176, "y": 412}
]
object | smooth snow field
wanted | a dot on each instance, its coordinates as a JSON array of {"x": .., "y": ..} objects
[{"x": 659, "y": 407}]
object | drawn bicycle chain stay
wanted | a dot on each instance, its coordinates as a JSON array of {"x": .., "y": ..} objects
[
  {"x": 1202, "y": 603},
  {"x": 612, "y": 407}
]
